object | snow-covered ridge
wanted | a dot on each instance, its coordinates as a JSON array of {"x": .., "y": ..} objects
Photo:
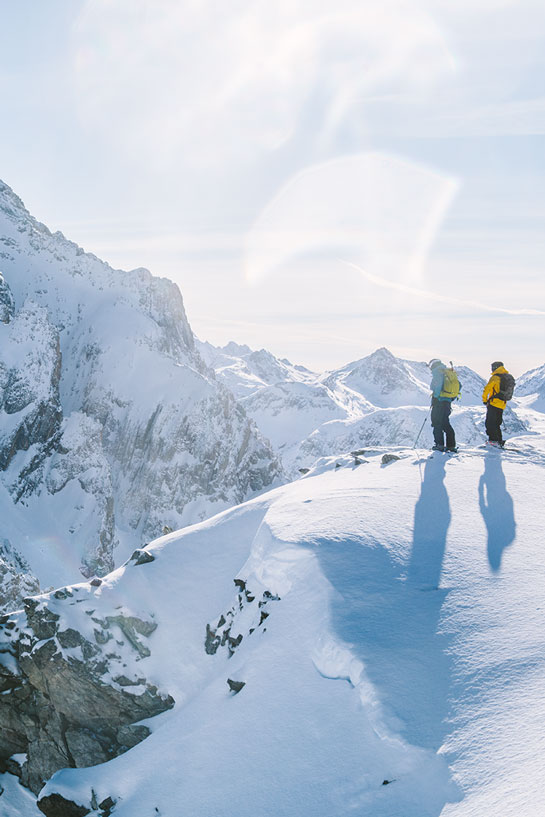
[
  {"x": 111, "y": 424},
  {"x": 366, "y": 643},
  {"x": 531, "y": 386}
]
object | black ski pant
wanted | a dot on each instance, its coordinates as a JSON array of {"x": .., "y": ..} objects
[
  {"x": 494, "y": 419},
  {"x": 440, "y": 413}
]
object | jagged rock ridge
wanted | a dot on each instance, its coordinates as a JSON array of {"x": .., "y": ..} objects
[{"x": 111, "y": 424}]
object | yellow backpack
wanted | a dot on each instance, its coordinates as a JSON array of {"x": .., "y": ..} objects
[{"x": 451, "y": 385}]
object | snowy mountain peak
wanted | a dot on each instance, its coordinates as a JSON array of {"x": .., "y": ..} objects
[
  {"x": 382, "y": 353},
  {"x": 10, "y": 203},
  {"x": 385, "y": 380},
  {"x": 245, "y": 371},
  {"x": 111, "y": 426},
  {"x": 236, "y": 349}
]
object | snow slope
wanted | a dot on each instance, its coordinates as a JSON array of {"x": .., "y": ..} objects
[
  {"x": 531, "y": 386},
  {"x": 392, "y": 630}
]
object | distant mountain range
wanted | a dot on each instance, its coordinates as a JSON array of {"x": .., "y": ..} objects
[{"x": 378, "y": 400}]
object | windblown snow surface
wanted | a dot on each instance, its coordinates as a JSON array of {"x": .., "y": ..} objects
[{"x": 403, "y": 640}]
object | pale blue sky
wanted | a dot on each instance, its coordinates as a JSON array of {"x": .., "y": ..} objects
[{"x": 253, "y": 151}]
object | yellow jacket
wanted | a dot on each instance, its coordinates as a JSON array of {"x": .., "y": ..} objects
[{"x": 492, "y": 387}]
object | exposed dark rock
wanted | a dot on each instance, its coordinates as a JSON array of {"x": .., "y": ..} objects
[
  {"x": 40, "y": 416},
  {"x": 107, "y": 806},
  {"x": 131, "y": 734},
  {"x": 63, "y": 593},
  {"x": 40, "y": 618},
  {"x": 123, "y": 681},
  {"x": 84, "y": 748},
  {"x": 226, "y": 634},
  {"x": 129, "y": 626},
  {"x": 7, "y": 304},
  {"x": 235, "y": 686},
  {"x": 268, "y": 596},
  {"x": 16, "y": 579},
  {"x": 142, "y": 557},
  {"x": 387, "y": 458},
  {"x": 54, "y": 805},
  {"x": 212, "y": 641},
  {"x": 61, "y": 709}
]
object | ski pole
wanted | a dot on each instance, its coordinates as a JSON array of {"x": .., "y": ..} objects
[{"x": 421, "y": 430}]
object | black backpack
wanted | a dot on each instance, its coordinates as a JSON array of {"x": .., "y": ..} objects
[{"x": 507, "y": 386}]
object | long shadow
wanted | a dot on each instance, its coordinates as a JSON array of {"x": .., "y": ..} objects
[
  {"x": 384, "y": 612},
  {"x": 496, "y": 505},
  {"x": 431, "y": 523}
]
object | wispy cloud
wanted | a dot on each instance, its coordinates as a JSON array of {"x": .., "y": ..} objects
[{"x": 434, "y": 296}]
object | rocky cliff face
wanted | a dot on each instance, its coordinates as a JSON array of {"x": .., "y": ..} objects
[
  {"x": 73, "y": 681},
  {"x": 111, "y": 424}
]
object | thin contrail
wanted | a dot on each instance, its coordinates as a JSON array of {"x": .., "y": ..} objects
[{"x": 433, "y": 296}]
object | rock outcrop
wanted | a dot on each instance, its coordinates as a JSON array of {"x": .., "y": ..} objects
[
  {"x": 72, "y": 684},
  {"x": 7, "y": 306}
]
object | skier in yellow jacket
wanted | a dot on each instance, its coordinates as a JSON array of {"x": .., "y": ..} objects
[{"x": 495, "y": 404}]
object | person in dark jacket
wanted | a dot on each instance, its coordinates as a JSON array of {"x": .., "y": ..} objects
[
  {"x": 494, "y": 404},
  {"x": 441, "y": 406}
]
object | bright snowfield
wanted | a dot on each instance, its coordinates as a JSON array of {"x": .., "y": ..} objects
[{"x": 407, "y": 644}]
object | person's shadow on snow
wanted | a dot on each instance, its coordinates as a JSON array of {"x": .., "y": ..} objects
[
  {"x": 392, "y": 627},
  {"x": 431, "y": 523},
  {"x": 496, "y": 505}
]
